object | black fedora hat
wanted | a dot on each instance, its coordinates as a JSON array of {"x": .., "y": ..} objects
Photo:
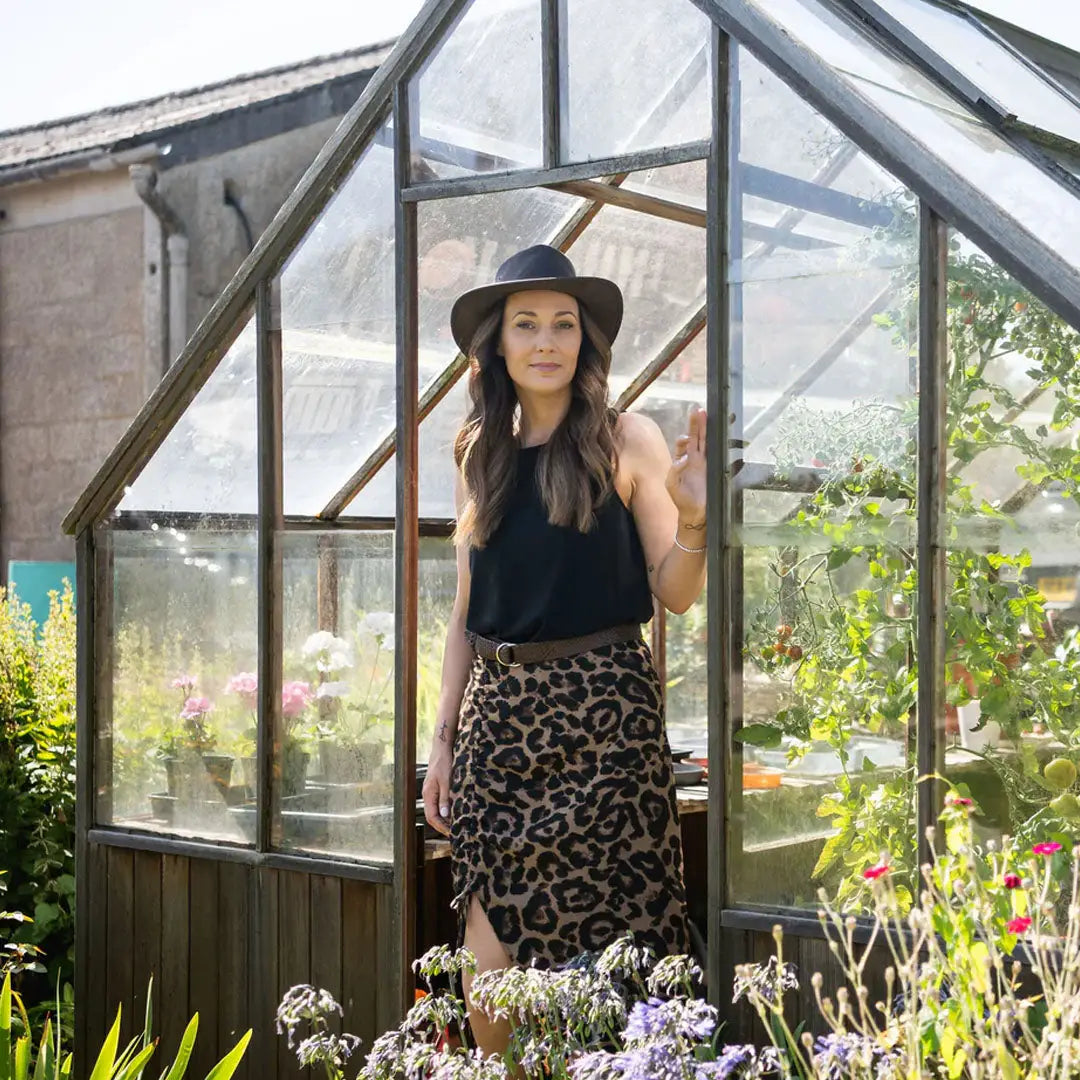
[{"x": 539, "y": 267}]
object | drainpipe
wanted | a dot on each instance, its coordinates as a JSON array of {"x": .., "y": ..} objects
[{"x": 145, "y": 178}]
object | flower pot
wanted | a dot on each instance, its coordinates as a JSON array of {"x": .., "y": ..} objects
[
  {"x": 190, "y": 774},
  {"x": 294, "y": 766},
  {"x": 347, "y": 764}
]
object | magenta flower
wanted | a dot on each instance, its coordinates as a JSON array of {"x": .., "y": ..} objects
[
  {"x": 1048, "y": 847},
  {"x": 245, "y": 684},
  {"x": 195, "y": 707},
  {"x": 295, "y": 698},
  {"x": 1018, "y": 925},
  {"x": 185, "y": 683},
  {"x": 959, "y": 800},
  {"x": 872, "y": 873},
  {"x": 1011, "y": 881}
]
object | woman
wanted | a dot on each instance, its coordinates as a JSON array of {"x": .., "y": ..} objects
[{"x": 550, "y": 768}]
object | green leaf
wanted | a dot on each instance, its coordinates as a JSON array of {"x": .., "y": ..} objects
[
  {"x": 183, "y": 1055},
  {"x": 106, "y": 1058},
  {"x": 22, "y": 1058},
  {"x": 135, "y": 1067},
  {"x": 5, "y": 1029},
  {"x": 224, "y": 1069},
  {"x": 43, "y": 1067},
  {"x": 767, "y": 735}
]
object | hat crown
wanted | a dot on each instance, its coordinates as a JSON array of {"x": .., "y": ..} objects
[{"x": 539, "y": 261}]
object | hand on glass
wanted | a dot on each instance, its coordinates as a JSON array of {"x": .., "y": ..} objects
[{"x": 686, "y": 479}]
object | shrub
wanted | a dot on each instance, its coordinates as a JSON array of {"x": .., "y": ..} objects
[{"x": 37, "y": 780}]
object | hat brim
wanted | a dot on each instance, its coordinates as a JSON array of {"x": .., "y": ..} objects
[{"x": 602, "y": 297}]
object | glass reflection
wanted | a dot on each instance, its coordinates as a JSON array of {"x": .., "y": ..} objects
[{"x": 176, "y": 747}]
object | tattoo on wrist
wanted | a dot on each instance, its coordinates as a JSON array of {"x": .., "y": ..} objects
[
  {"x": 693, "y": 526},
  {"x": 652, "y": 567},
  {"x": 442, "y": 732}
]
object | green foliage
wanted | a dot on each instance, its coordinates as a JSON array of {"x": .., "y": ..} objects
[
  {"x": 37, "y": 781},
  {"x": 845, "y": 582},
  {"x": 53, "y": 1062},
  {"x": 956, "y": 1004}
]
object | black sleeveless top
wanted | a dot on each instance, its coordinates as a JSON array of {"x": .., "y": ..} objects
[{"x": 535, "y": 581}]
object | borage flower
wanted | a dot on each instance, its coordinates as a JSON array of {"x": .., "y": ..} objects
[{"x": 1048, "y": 847}]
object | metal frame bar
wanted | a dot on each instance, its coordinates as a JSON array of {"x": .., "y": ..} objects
[
  {"x": 187, "y": 375},
  {"x": 1026, "y": 257},
  {"x": 940, "y": 71},
  {"x": 86, "y": 670},
  {"x": 632, "y": 200},
  {"x": 663, "y": 359},
  {"x": 268, "y": 382},
  {"x": 136, "y": 521},
  {"x": 223, "y": 851},
  {"x": 933, "y": 444},
  {"x": 406, "y": 565},
  {"x": 721, "y": 644},
  {"x": 526, "y": 178},
  {"x": 550, "y": 87}
]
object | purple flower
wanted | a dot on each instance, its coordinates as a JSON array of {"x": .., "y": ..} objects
[
  {"x": 739, "y": 1063},
  {"x": 647, "y": 1019},
  {"x": 841, "y": 1056}
]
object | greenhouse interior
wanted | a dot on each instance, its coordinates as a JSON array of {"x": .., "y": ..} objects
[{"x": 848, "y": 228}]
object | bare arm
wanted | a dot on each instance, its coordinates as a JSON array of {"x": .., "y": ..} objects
[
  {"x": 668, "y": 502},
  {"x": 457, "y": 653}
]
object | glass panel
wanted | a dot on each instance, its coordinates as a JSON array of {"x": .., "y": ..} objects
[
  {"x": 637, "y": 76},
  {"x": 177, "y": 756},
  {"x": 823, "y": 341},
  {"x": 473, "y": 111},
  {"x": 338, "y": 690},
  {"x": 461, "y": 243},
  {"x": 972, "y": 149},
  {"x": 991, "y": 67},
  {"x": 207, "y": 462},
  {"x": 338, "y": 336},
  {"x": 1013, "y": 503}
]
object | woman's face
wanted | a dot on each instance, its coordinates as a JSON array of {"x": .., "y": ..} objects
[{"x": 540, "y": 340}]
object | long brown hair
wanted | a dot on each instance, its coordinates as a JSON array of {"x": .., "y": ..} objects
[{"x": 577, "y": 464}]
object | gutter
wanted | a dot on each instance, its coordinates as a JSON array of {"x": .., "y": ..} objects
[
  {"x": 145, "y": 178},
  {"x": 96, "y": 160}
]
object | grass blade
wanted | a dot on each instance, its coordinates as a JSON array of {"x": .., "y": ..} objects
[
  {"x": 43, "y": 1067},
  {"x": 22, "y": 1058},
  {"x": 224, "y": 1069},
  {"x": 106, "y": 1059},
  {"x": 5, "y": 1029},
  {"x": 183, "y": 1055}
]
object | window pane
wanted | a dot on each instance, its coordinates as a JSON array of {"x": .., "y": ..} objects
[
  {"x": 338, "y": 335},
  {"x": 989, "y": 65},
  {"x": 175, "y": 750},
  {"x": 825, "y": 515},
  {"x": 473, "y": 111},
  {"x": 461, "y": 243},
  {"x": 971, "y": 149},
  {"x": 338, "y": 694},
  {"x": 1013, "y": 560},
  {"x": 206, "y": 463},
  {"x": 637, "y": 76}
]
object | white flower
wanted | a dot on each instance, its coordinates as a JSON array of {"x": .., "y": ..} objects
[
  {"x": 378, "y": 625},
  {"x": 331, "y": 653},
  {"x": 332, "y": 690}
]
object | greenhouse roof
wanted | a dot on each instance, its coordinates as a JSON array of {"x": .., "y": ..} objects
[{"x": 593, "y": 118}]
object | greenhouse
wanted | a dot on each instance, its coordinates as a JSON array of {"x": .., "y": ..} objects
[{"x": 851, "y": 230}]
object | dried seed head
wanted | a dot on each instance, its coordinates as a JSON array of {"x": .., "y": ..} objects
[{"x": 816, "y": 980}]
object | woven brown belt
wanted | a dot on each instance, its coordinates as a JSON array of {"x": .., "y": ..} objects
[{"x": 535, "y": 652}]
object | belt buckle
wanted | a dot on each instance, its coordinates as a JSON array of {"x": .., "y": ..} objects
[{"x": 498, "y": 655}]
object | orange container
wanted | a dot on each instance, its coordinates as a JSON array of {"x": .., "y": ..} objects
[{"x": 760, "y": 777}]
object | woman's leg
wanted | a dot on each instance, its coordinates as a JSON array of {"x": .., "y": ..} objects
[{"x": 492, "y": 1036}]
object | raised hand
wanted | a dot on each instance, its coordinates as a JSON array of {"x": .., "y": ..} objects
[{"x": 686, "y": 479}]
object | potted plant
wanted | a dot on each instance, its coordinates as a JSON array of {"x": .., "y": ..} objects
[
  {"x": 296, "y": 696},
  {"x": 354, "y": 733},
  {"x": 187, "y": 750}
]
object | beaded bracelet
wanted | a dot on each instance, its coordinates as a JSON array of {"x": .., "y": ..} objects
[{"x": 683, "y": 547}]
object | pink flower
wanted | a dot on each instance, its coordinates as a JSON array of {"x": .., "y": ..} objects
[
  {"x": 959, "y": 800},
  {"x": 195, "y": 707},
  {"x": 184, "y": 682},
  {"x": 1011, "y": 881},
  {"x": 1019, "y": 925},
  {"x": 1048, "y": 847},
  {"x": 874, "y": 872},
  {"x": 295, "y": 698},
  {"x": 244, "y": 683}
]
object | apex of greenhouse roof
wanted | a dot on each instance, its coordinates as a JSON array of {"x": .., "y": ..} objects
[{"x": 74, "y": 142}]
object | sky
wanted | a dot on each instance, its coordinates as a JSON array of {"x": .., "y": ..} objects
[{"x": 63, "y": 57}]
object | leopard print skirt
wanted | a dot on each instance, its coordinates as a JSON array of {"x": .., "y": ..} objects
[{"x": 564, "y": 823}]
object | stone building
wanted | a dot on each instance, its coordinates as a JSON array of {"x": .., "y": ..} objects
[{"x": 118, "y": 229}]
